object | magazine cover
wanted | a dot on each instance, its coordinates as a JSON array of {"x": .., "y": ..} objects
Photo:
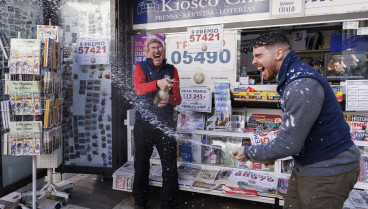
[
  {"x": 25, "y": 56},
  {"x": 187, "y": 173},
  {"x": 203, "y": 185},
  {"x": 223, "y": 175},
  {"x": 25, "y": 137},
  {"x": 24, "y": 97},
  {"x": 207, "y": 175},
  {"x": 253, "y": 181}
]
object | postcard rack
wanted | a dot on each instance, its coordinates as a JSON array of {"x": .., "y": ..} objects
[{"x": 32, "y": 111}]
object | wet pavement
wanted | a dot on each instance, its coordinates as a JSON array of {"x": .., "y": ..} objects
[{"x": 95, "y": 192}]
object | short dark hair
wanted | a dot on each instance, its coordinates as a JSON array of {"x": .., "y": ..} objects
[
  {"x": 270, "y": 39},
  {"x": 153, "y": 41}
]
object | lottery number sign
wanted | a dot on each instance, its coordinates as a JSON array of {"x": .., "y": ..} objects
[
  {"x": 203, "y": 68},
  {"x": 92, "y": 52},
  {"x": 205, "y": 39}
]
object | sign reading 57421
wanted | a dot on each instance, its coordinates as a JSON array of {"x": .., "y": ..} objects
[
  {"x": 205, "y": 39},
  {"x": 93, "y": 51}
]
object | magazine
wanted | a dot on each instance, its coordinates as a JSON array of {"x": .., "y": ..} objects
[
  {"x": 238, "y": 191},
  {"x": 24, "y": 56},
  {"x": 207, "y": 175},
  {"x": 190, "y": 121},
  {"x": 253, "y": 181},
  {"x": 187, "y": 173},
  {"x": 203, "y": 185},
  {"x": 155, "y": 173},
  {"x": 25, "y": 138}
]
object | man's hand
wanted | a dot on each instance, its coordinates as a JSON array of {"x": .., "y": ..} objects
[
  {"x": 164, "y": 84},
  {"x": 239, "y": 154},
  {"x": 163, "y": 103}
]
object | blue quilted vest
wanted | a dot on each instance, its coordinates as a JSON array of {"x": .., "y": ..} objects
[
  {"x": 145, "y": 109},
  {"x": 330, "y": 134}
]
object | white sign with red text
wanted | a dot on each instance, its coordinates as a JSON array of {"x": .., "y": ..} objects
[
  {"x": 195, "y": 98},
  {"x": 205, "y": 38},
  {"x": 93, "y": 51},
  {"x": 203, "y": 68}
]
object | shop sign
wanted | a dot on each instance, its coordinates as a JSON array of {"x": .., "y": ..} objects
[
  {"x": 320, "y": 7},
  {"x": 205, "y": 38},
  {"x": 287, "y": 8},
  {"x": 140, "y": 43},
  {"x": 203, "y": 68},
  {"x": 47, "y": 31},
  {"x": 356, "y": 95},
  {"x": 93, "y": 51},
  {"x": 195, "y": 98},
  {"x": 148, "y": 14}
]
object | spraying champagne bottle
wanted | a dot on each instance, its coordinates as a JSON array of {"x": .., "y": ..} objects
[{"x": 161, "y": 95}]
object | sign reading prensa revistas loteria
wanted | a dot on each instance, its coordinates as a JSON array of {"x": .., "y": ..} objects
[{"x": 180, "y": 13}]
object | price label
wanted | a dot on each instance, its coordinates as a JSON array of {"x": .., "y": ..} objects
[
  {"x": 92, "y": 52},
  {"x": 195, "y": 98},
  {"x": 205, "y": 39}
]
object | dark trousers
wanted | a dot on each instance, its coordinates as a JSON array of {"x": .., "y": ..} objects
[
  {"x": 145, "y": 137},
  {"x": 328, "y": 192}
]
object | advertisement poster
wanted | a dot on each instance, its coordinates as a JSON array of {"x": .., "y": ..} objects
[
  {"x": 204, "y": 68},
  {"x": 195, "y": 98},
  {"x": 140, "y": 43},
  {"x": 46, "y": 31},
  {"x": 93, "y": 51},
  {"x": 205, "y": 38},
  {"x": 356, "y": 95},
  {"x": 149, "y": 14}
]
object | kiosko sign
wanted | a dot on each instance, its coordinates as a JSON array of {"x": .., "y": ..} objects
[{"x": 159, "y": 11}]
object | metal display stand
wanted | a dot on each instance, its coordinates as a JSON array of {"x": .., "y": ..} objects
[{"x": 49, "y": 161}]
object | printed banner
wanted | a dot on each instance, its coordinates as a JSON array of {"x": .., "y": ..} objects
[
  {"x": 149, "y": 14},
  {"x": 204, "y": 68},
  {"x": 93, "y": 51}
]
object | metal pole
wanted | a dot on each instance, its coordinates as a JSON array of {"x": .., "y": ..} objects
[{"x": 34, "y": 182}]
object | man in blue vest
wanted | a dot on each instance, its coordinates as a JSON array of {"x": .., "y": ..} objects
[
  {"x": 155, "y": 125},
  {"x": 313, "y": 130}
]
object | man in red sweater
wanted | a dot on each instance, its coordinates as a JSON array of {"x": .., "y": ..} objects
[{"x": 155, "y": 125}]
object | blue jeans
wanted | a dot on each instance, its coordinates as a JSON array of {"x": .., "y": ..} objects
[{"x": 146, "y": 136}]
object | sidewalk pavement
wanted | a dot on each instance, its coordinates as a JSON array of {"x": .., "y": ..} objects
[{"x": 94, "y": 192}]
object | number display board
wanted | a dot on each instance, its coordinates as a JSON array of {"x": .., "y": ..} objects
[
  {"x": 93, "y": 51},
  {"x": 202, "y": 69}
]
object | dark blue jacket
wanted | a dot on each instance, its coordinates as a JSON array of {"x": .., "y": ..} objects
[
  {"x": 145, "y": 109},
  {"x": 330, "y": 134}
]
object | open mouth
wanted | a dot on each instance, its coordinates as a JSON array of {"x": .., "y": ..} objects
[
  {"x": 261, "y": 69},
  {"x": 157, "y": 56}
]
